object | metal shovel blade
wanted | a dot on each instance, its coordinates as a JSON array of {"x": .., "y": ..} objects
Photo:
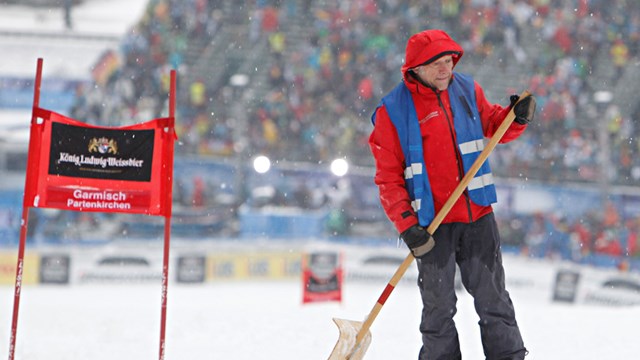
[{"x": 344, "y": 349}]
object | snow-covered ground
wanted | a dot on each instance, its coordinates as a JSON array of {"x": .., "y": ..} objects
[{"x": 248, "y": 320}]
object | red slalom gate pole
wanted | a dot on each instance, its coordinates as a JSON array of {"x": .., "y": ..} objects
[
  {"x": 165, "y": 284},
  {"x": 167, "y": 236},
  {"x": 23, "y": 229},
  {"x": 18, "y": 286}
]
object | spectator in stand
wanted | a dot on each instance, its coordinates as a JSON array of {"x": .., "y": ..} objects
[
  {"x": 619, "y": 57},
  {"x": 633, "y": 227},
  {"x": 67, "y": 5}
]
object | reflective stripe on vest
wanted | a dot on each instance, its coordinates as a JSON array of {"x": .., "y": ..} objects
[
  {"x": 481, "y": 181},
  {"x": 412, "y": 170},
  {"x": 471, "y": 147},
  {"x": 402, "y": 112},
  {"x": 470, "y": 138}
]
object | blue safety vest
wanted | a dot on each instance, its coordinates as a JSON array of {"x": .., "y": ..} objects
[{"x": 468, "y": 127}]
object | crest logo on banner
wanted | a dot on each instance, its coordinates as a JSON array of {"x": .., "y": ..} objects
[{"x": 103, "y": 146}]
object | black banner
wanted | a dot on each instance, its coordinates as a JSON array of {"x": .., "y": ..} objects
[
  {"x": 191, "y": 269},
  {"x": 54, "y": 269},
  {"x": 323, "y": 272},
  {"x": 101, "y": 153},
  {"x": 566, "y": 286}
]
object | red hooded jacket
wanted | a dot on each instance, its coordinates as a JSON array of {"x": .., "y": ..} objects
[{"x": 440, "y": 148}]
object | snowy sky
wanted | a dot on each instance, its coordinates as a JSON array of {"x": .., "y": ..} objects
[{"x": 28, "y": 33}]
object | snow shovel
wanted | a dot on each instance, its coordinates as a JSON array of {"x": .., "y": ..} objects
[{"x": 355, "y": 336}]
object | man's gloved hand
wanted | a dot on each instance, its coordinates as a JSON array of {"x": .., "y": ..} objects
[
  {"x": 524, "y": 110},
  {"x": 418, "y": 240}
]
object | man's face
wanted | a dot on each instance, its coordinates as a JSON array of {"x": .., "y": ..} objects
[{"x": 438, "y": 73}]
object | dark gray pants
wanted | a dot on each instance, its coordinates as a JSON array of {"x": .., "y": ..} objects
[{"x": 475, "y": 247}]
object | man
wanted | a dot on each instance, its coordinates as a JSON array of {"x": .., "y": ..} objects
[{"x": 427, "y": 133}]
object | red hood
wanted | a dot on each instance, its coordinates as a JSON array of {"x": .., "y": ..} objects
[{"x": 427, "y": 46}]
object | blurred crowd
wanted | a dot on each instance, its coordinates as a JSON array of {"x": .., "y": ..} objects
[
  {"x": 586, "y": 47},
  {"x": 557, "y": 236},
  {"x": 326, "y": 64},
  {"x": 132, "y": 84}
]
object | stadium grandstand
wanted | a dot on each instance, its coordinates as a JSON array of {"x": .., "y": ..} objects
[{"x": 297, "y": 80}]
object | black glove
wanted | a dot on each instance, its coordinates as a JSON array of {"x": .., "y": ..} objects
[
  {"x": 418, "y": 240},
  {"x": 524, "y": 110}
]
